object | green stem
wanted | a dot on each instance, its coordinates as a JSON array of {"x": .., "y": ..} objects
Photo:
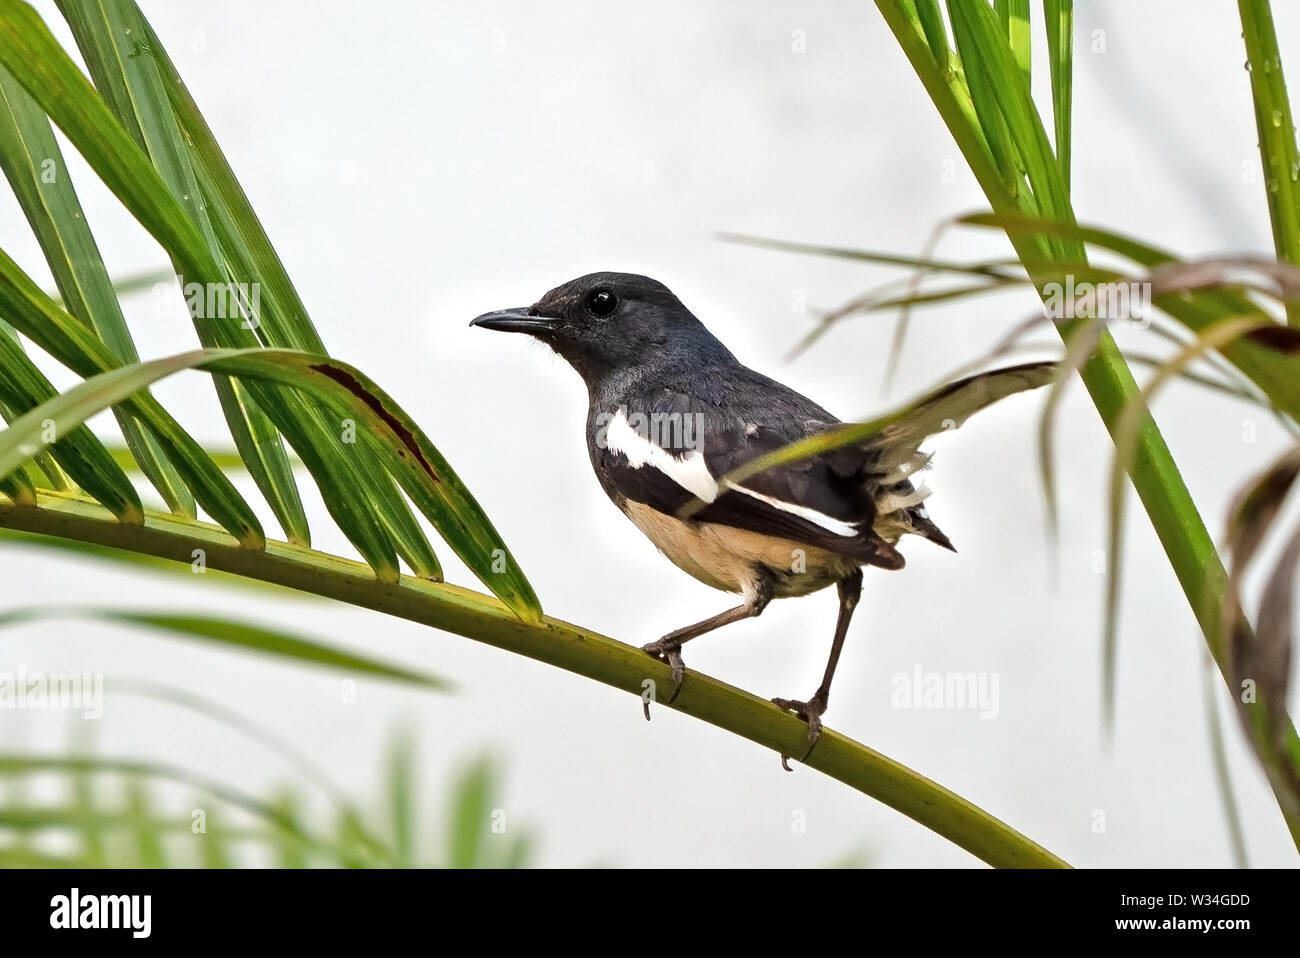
[
  {"x": 484, "y": 619},
  {"x": 1277, "y": 146}
]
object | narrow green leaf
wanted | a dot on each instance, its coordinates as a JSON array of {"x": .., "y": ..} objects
[
  {"x": 519, "y": 852},
  {"x": 55, "y": 478},
  {"x": 360, "y": 497},
  {"x": 922, "y": 25},
  {"x": 1058, "y": 16},
  {"x": 1276, "y": 128},
  {"x": 987, "y": 56},
  {"x": 993, "y": 270},
  {"x": 869, "y": 303},
  {"x": 19, "y": 487},
  {"x": 23, "y": 388},
  {"x": 381, "y": 424},
  {"x": 343, "y": 490},
  {"x": 402, "y": 798},
  {"x": 290, "y": 851},
  {"x": 262, "y": 450},
  {"x": 85, "y": 798},
  {"x": 1219, "y": 754},
  {"x": 1014, "y": 16},
  {"x": 984, "y": 97},
  {"x": 37, "y": 316},
  {"x": 140, "y": 811},
  {"x": 213, "y": 841},
  {"x": 34, "y": 164},
  {"x": 225, "y": 459},
  {"x": 236, "y": 634},
  {"x": 936, "y": 34},
  {"x": 471, "y": 816}
]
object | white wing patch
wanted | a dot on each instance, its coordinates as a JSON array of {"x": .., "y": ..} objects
[
  {"x": 829, "y": 523},
  {"x": 692, "y": 474},
  {"x": 689, "y": 472}
]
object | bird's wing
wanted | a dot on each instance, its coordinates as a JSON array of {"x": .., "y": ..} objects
[
  {"x": 672, "y": 447},
  {"x": 677, "y": 447}
]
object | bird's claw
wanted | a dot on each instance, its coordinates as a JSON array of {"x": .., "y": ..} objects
[
  {"x": 811, "y": 712},
  {"x": 671, "y": 653}
]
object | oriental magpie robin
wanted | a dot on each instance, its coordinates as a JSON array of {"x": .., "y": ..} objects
[{"x": 672, "y": 412}]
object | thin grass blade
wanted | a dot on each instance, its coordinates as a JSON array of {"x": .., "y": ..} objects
[{"x": 34, "y": 165}]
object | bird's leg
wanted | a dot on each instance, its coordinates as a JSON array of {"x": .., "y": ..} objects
[
  {"x": 669, "y": 648},
  {"x": 850, "y": 589}
]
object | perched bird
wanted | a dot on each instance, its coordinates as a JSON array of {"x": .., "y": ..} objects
[{"x": 672, "y": 412}]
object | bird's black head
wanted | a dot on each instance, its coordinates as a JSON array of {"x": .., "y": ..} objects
[{"x": 607, "y": 323}]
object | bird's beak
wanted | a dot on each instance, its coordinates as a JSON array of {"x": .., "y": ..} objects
[{"x": 517, "y": 320}]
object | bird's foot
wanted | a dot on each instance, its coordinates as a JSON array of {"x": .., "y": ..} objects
[
  {"x": 811, "y": 712},
  {"x": 670, "y": 652}
]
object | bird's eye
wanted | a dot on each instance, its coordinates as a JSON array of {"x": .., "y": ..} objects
[{"x": 602, "y": 302}]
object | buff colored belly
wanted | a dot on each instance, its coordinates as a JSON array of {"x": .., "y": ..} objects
[{"x": 725, "y": 557}]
